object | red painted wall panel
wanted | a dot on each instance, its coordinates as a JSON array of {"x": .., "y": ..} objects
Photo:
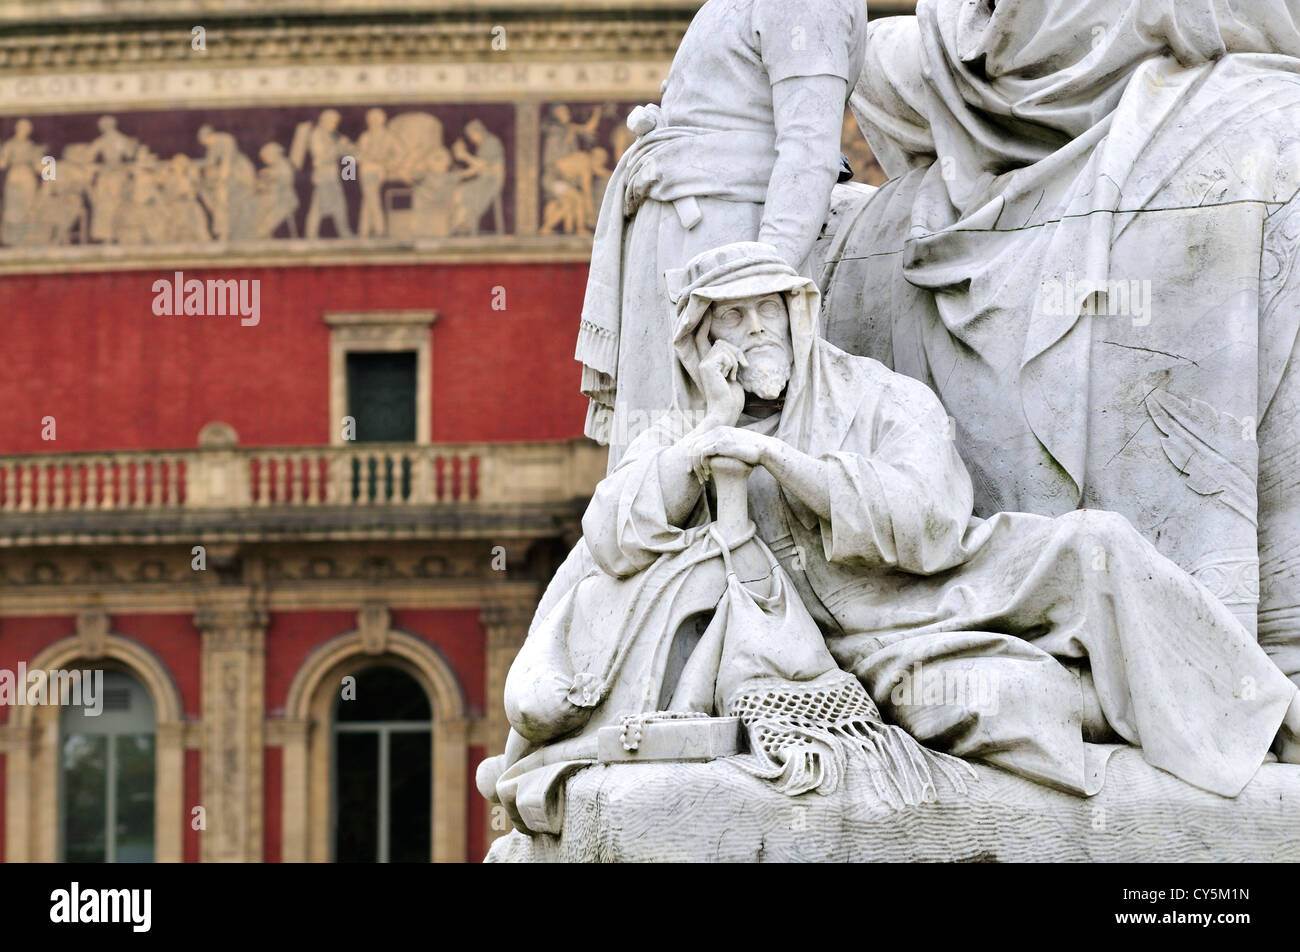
[
  {"x": 476, "y": 814},
  {"x": 272, "y": 774},
  {"x": 88, "y": 350},
  {"x": 22, "y": 639},
  {"x": 291, "y": 636},
  {"x": 172, "y": 638},
  {"x": 459, "y": 637},
  {"x": 177, "y": 643}
]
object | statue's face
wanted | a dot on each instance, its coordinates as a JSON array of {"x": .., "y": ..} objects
[{"x": 759, "y": 327}]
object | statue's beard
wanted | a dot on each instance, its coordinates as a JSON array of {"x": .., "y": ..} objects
[{"x": 767, "y": 373}]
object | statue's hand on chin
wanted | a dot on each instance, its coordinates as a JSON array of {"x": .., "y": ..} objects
[{"x": 723, "y": 394}]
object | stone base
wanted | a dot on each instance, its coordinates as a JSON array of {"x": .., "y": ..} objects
[{"x": 714, "y": 812}]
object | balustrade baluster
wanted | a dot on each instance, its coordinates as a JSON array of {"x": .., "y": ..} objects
[
  {"x": 313, "y": 481},
  {"x": 42, "y": 487},
  {"x": 419, "y": 477},
  {"x": 109, "y": 481},
  {"x": 24, "y": 488},
  {"x": 295, "y": 480},
  {"x": 263, "y": 480},
  {"x": 338, "y": 476},
  {"x": 174, "y": 481},
  {"x": 56, "y": 495}
]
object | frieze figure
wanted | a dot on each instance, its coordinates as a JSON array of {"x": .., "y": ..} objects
[
  {"x": 20, "y": 160},
  {"x": 327, "y": 148}
]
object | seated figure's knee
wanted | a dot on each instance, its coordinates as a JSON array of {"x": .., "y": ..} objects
[{"x": 1097, "y": 533}]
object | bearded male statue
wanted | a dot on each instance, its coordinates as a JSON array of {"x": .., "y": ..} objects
[{"x": 1092, "y": 637}]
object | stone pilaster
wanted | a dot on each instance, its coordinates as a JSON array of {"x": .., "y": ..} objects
[
  {"x": 233, "y": 667},
  {"x": 19, "y": 744},
  {"x": 506, "y": 623},
  {"x": 170, "y": 817},
  {"x": 528, "y": 171}
]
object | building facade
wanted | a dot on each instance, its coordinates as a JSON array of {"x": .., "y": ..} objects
[{"x": 291, "y": 431}]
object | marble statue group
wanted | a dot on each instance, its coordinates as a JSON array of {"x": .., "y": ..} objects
[{"x": 993, "y": 463}]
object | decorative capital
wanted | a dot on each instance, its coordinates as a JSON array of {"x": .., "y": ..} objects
[
  {"x": 373, "y": 622},
  {"x": 508, "y": 619},
  {"x": 92, "y": 632},
  {"x": 231, "y": 627}
]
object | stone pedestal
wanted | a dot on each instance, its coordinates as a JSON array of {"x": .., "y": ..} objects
[{"x": 714, "y": 812}]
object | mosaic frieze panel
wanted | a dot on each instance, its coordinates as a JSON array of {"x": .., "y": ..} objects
[
  {"x": 195, "y": 177},
  {"x": 580, "y": 143}
]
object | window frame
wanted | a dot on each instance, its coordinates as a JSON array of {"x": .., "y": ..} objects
[
  {"x": 110, "y": 770},
  {"x": 381, "y": 331}
]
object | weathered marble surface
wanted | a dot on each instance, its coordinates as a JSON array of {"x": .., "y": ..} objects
[
  {"x": 715, "y": 813},
  {"x": 1086, "y": 249}
]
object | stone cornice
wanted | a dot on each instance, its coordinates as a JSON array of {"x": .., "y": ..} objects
[
  {"x": 469, "y": 38},
  {"x": 564, "y": 249},
  {"x": 79, "y": 11},
  {"x": 66, "y": 34},
  {"x": 400, "y": 594},
  {"x": 339, "y": 524}
]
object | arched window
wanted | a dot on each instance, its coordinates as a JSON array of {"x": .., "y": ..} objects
[
  {"x": 383, "y": 776},
  {"x": 106, "y": 776}
]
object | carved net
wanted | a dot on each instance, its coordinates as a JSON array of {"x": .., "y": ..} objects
[{"x": 802, "y": 736}]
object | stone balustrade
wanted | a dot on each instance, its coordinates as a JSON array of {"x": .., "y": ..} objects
[{"x": 372, "y": 474}]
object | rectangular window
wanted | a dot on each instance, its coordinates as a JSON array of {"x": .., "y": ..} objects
[{"x": 382, "y": 394}]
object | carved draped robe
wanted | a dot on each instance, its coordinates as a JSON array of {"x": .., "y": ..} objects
[{"x": 912, "y": 592}]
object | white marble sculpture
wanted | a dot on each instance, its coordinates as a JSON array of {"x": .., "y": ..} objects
[
  {"x": 862, "y": 534},
  {"x": 1087, "y": 247},
  {"x": 1024, "y": 476}
]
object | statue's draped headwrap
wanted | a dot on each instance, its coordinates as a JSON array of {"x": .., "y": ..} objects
[
  {"x": 819, "y": 402},
  {"x": 739, "y": 270},
  {"x": 993, "y": 87}
]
